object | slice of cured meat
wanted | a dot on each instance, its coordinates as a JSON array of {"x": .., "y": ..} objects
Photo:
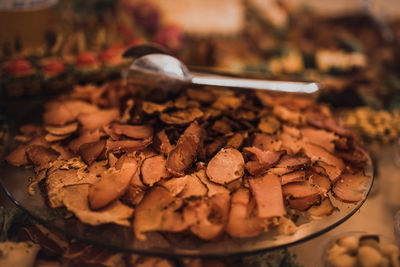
[
  {"x": 296, "y": 176},
  {"x": 41, "y": 156},
  {"x": 98, "y": 119},
  {"x": 113, "y": 184},
  {"x": 154, "y": 169},
  {"x": 183, "y": 155},
  {"x": 351, "y": 187},
  {"x": 76, "y": 200},
  {"x": 226, "y": 166},
  {"x": 316, "y": 153},
  {"x": 133, "y": 131},
  {"x": 241, "y": 221},
  {"x": 267, "y": 191},
  {"x": 303, "y": 203},
  {"x": 325, "y": 208},
  {"x": 85, "y": 137},
  {"x": 319, "y": 137},
  {"x": 299, "y": 190},
  {"x": 91, "y": 151},
  {"x": 264, "y": 160},
  {"x": 126, "y": 145}
]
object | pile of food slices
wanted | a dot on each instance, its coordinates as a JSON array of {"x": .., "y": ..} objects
[{"x": 205, "y": 162}]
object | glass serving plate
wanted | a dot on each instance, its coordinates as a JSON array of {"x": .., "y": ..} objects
[{"x": 15, "y": 181}]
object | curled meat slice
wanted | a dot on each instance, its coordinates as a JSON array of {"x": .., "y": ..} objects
[
  {"x": 113, "y": 184},
  {"x": 299, "y": 190},
  {"x": 181, "y": 117},
  {"x": 54, "y": 138},
  {"x": 266, "y": 142},
  {"x": 303, "y": 203},
  {"x": 291, "y": 144},
  {"x": 91, "y": 151},
  {"x": 213, "y": 188},
  {"x": 319, "y": 137},
  {"x": 76, "y": 200},
  {"x": 193, "y": 187},
  {"x": 226, "y": 166},
  {"x": 296, "y": 176},
  {"x": 163, "y": 143},
  {"x": 292, "y": 116},
  {"x": 126, "y": 145},
  {"x": 322, "y": 182},
  {"x": 133, "y": 195},
  {"x": 183, "y": 155},
  {"x": 98, "y": 119},
  {"x": 62, "y": 130},
  {"x": 85, "y": 137},
  {"x": 293, "y": 162},
  {"x": 18, "y": 157},
  {"x": 319, "y": 120},
  {"x": 265, "y": 160},
  {"x": 41, "y": 156},
  {"x": 331, "y": 171},
  {"x": 351, "y": 187},
  {"x": 209, "y": 218},
  {"x": 267, "y": 191},
  {"x": 133, "y": 131},
  {"x": 149, "y": 215},
  {"x": 241, "y": 221},
  {"x": 175, "y": 185},
  {"x": 154, "y": 169},
  {"x": 316, "y": 153},
  {"x": 325, "y": 208},
  {"x": 60, "y": 113}
]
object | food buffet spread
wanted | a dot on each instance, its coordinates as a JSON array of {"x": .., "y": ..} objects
[{"x": 118, "y": 177}]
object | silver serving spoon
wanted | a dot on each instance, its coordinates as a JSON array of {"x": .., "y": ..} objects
[{"x": 166, "y": 74}]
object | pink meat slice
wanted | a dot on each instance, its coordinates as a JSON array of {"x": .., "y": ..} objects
[
  {"x": 316, "y": 153},
  {"x": 226, "y": 166},
  {"x": 241, "y": 223},
  {"x": 133, "y": 131},
  {"x": 154, "y": 169},
  {"x": 126, "y": 145},
  {"x": 267, "y": 191},
  {"x": 85, "y": 137},
  {"x": 98, "y": 119},
  {"x": 299, "y": 190},
  {"x": 303, "y": 203},
  {"x": 266, "y": 142},
  {"x": 296, "y": 176},
  {"x": 319, "y": 137},
  {"x": 351, "y": 187}
]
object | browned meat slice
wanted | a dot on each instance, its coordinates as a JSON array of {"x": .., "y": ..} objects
[
  {"x": 150, "y": 213},
  {"x": 213, "y": 188},
  {"x": 236, "y": 140},
  {"x": 226, "y": 102},
  {"x": 296, "y": 176},
  {"x": 322, "y": 182},
  {"x": 299, "y": 190},
  {"x": 183, "y": 155},
  {"x": 292, "y": 131},
  {"x": 319, "y": 137},
  {"x": 264, "y": 160},
  {"x": 91, "y": 151},
  {"x": 54, "y": 138},
  {"x": 227, "y": 165},
  {"x": 331, "y": 171},
  {"x": 303, "y": 203},
  {"x": 113, "y": 183},
  {"x": 291, "y": 116},
  {"x": 64, "y": 152},
  {"x": 68, "y": 175},
  {"x": 151, "y": 107},
  {"x": 267, "y": 191},
  {"x": 293, "y": 162},
  {"x": 351, "y": 187},
  {"x": 175, "y": 185},
  {"x": 76, "y": 200},
  {"x": 290, "y": 144},
  {"x": 357, "y": 158},
  {"x": 325, "y": 208},
  {"x": 321, "y": 121},
  {"x": 162, "y": 142},
  {"x": 316, "y": 153},
  {"x": 181, "y": 117},
  {"x": 209, "y": 218},
  {"x": 41, "y": 156},
  {"x": 133, "y": 131},
  {"x": 133, "y": 195},
  {"x": 18, "y": 157},
  {"x": 112, "y": 160},
  {"x": 126, "y": 145},
  {"x": 62, "y": 130},
  {"x": 241, "y": 221},
  {"x": 269, "y": 125},
  {"x": 193, "y": 187},
  {"x": 154, "y": 169},
  {"x": 201, "y": 95},
  {"x": 98, "y": 119},
  {"x": 195, "y": 130},
  {"x": 60, "y": 113},
  {"x": 85, "y": 137},
  {"x": 221, "y": 127},
  {"x": 212, "y": 148},
  {"x": 266, "y": 142}
]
